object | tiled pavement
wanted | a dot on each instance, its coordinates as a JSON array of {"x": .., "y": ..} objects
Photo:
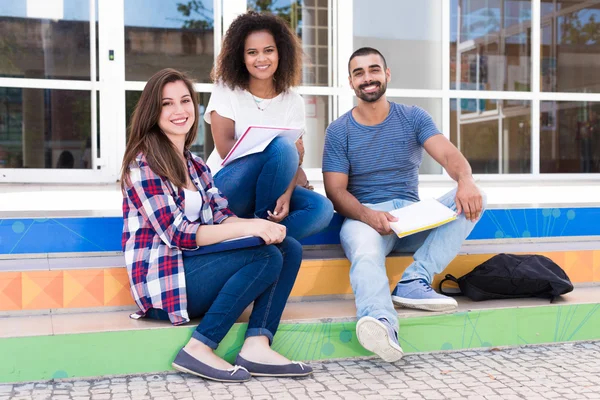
[{"x": 565, "y": 371}]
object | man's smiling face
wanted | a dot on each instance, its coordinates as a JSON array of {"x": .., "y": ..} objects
[{"x": 368, "y": 77}]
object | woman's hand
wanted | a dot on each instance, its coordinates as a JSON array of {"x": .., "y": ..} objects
[
  {"x": 282, "y": 208},
  {"x": 268, "y": 231}
]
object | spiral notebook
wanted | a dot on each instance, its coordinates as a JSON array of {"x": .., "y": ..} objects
[{"x": 421, "y": 216}]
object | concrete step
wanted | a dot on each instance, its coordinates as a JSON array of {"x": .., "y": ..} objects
[
  {"x": 57, "y": 345},
  {"x": 42, "y": 285}
]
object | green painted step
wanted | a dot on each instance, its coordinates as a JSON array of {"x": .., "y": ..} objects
[{"x": 326, "y": 332}]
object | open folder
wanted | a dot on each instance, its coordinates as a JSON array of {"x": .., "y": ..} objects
[
  {"x": 231, "y": 244},
  {"x": 421, "y": 216},
  {"x": 256, "y": 138}
]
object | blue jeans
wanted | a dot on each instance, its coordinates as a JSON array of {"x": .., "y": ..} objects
[
  {"x": 366, "y": 249},
  {"x": 221, "y": 285},
  {"x": 252, "y": 185}
]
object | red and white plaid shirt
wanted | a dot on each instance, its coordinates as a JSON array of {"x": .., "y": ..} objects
[{"x": 156, "y": 230}]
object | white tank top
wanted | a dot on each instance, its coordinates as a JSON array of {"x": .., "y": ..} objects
[{"x": 193, "y": 204}]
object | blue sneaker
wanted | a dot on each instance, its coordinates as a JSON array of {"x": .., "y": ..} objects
[
  {"x": 380, "y": 337},
  {"x": 419, "y": 294}
]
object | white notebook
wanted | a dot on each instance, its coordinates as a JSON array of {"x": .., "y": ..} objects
[
  {"x": 421, "y": 216},
  {"x": 256, "y": 139}
]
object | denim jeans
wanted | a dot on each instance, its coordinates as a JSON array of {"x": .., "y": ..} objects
[
  {"x": 252, "y": 185},
  {"x": 366, "y": 249},
  {"x": 221, "y": 285}
]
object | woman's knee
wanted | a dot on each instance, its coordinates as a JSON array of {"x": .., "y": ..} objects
[
  {"x": 272, "y": 262},
  {"x": 284, "y": 149},
  {"x": 319, "y": 207},
  {"x": 324, "y": 209},
  {"x": 291, "y": 249}
]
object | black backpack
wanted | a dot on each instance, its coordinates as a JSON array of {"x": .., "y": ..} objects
[{"x": 510, "y": 276}]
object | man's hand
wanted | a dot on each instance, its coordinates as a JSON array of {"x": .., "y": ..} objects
[
  {"x": 468, "y": 199},
  {"x": 379, "y": 220}
]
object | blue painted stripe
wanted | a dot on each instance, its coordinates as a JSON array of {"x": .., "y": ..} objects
[{"x": 91, "y": 234}]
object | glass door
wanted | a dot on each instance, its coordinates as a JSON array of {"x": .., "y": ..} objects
[{"x": 50, "y": 92}]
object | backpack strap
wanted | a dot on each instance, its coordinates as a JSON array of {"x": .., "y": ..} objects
[{"x": 453, "y": 279}]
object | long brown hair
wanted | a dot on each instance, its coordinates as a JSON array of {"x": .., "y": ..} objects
[
  {"x": 146, "y": 136},
  {"x": 230, "y": 68}
]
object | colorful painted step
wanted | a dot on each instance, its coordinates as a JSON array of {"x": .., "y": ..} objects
[
  {"x": 109, "y": 343},
  {"x": 100, "y": 234},
  {"x": 46, "y": 284}
]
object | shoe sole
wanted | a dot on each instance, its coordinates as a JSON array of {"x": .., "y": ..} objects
[
  {"x": 282, "y": 375},
  {"x": 423, "y": 304},
  {"x": 188, "y": 371},
  {"x": 373, "y": 336}
]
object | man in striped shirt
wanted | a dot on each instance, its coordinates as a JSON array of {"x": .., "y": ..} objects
[{"x": 371, "y": 166}]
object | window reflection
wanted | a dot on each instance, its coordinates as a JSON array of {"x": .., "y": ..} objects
[
  {"x": 49, "y": 40},
  {"x": 169, "y": 33},
  {"x": 37, "y": 128},
  {"x": 316, "y": 119},
  {"x": 409, "y": 35},
  {"x": 494, "y": 135},
  {"x": 570, "y": 53},
  {"x": 490, "y": 46},
  {"x": 310, "y": 20},
  {"x": 569, "y": 137}
]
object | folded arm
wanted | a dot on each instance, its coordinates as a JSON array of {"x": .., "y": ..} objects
[{"x": 223, "y": 132}]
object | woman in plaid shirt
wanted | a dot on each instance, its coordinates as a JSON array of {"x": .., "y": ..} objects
[{"x": 170, "y": 204}]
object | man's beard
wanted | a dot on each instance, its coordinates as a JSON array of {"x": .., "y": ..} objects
[{"x": 371, "y": 97}]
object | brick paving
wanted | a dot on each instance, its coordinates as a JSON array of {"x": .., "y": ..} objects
[{"x": 564, "y": 371}]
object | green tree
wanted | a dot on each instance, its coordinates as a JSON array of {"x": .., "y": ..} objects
[
  {"x": 292, "y": 12},
  {"x": 197, "y": 14},
  {"x": 575, "y": 31}
]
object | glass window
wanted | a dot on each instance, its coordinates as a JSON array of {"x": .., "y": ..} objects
[
  {"x": 45, "y": 39},
  {"x": 168, "y": 33},
  {"x": 494, "y": 135},
  {"x": 569, "y": 137},
  {"x": 490, "y": 45},
  {"x": 37, "y": 128},
  {"x": 310, "y": 20},
  {"x": 204, "y": 142},
  {"x": 317, "y": 120},
  {"x": 570, "y": 48},
  {"x": 408, "y": 34}
]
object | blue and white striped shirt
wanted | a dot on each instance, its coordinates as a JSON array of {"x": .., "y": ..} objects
[{"x": 381, "y": 161}]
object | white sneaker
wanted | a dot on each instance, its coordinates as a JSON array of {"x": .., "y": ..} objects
[{"x": 379, "y": 337}]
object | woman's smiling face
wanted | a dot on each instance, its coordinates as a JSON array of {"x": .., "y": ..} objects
[
  {"x": 260, "y": 55},
  {"x": 177, "y": 115}
]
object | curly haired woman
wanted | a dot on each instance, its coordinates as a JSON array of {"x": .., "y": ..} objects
[{"x": 261, "y": 60}]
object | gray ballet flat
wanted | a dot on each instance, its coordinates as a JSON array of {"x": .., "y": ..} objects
[
  {"x": 188, "y": 364},
  {"x": 295, "y": 368}
]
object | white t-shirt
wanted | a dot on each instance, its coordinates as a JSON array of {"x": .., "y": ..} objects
[
  {"x": 193, "y": 204},
  {"x": 284, "y": 110}
]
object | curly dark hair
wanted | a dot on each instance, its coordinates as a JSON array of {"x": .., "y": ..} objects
[{"x": 230, "y": 68}]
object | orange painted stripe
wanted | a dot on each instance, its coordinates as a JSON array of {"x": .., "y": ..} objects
[{"x": 37, "y": 290}]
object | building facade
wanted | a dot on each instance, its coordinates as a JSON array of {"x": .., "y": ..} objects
[{"x": 514, "y": 84}]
